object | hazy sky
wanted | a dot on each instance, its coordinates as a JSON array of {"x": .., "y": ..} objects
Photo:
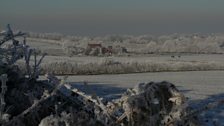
[{"x": 101, "y": 17}]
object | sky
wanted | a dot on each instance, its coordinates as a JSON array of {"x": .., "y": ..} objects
[{"x": 103, "y": 17}]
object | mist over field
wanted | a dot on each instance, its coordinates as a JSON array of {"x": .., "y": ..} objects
[{"x": 100, "y": 17}]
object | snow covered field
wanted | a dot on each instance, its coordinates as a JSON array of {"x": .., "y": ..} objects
[
  {"x": 196, "y": 85},
  {"x": 201, "y": 87}
]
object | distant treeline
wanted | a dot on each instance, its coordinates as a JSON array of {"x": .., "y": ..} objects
[{"x": 174, "y": 43}]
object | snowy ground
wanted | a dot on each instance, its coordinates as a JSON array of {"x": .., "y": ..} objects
[
  {"x": 195, "y": 84},
  {"x": 200, "y": 87}
]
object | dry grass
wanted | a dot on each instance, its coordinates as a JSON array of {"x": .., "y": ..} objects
[{"x": 115, "y": 67}]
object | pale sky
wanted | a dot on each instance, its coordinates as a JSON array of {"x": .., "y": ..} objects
[{"x": 102, "y": 17}]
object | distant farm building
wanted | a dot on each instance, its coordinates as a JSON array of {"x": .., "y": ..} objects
[
  {"x": 98, "y": 49},
  {"x": 93, "y": 49}
]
